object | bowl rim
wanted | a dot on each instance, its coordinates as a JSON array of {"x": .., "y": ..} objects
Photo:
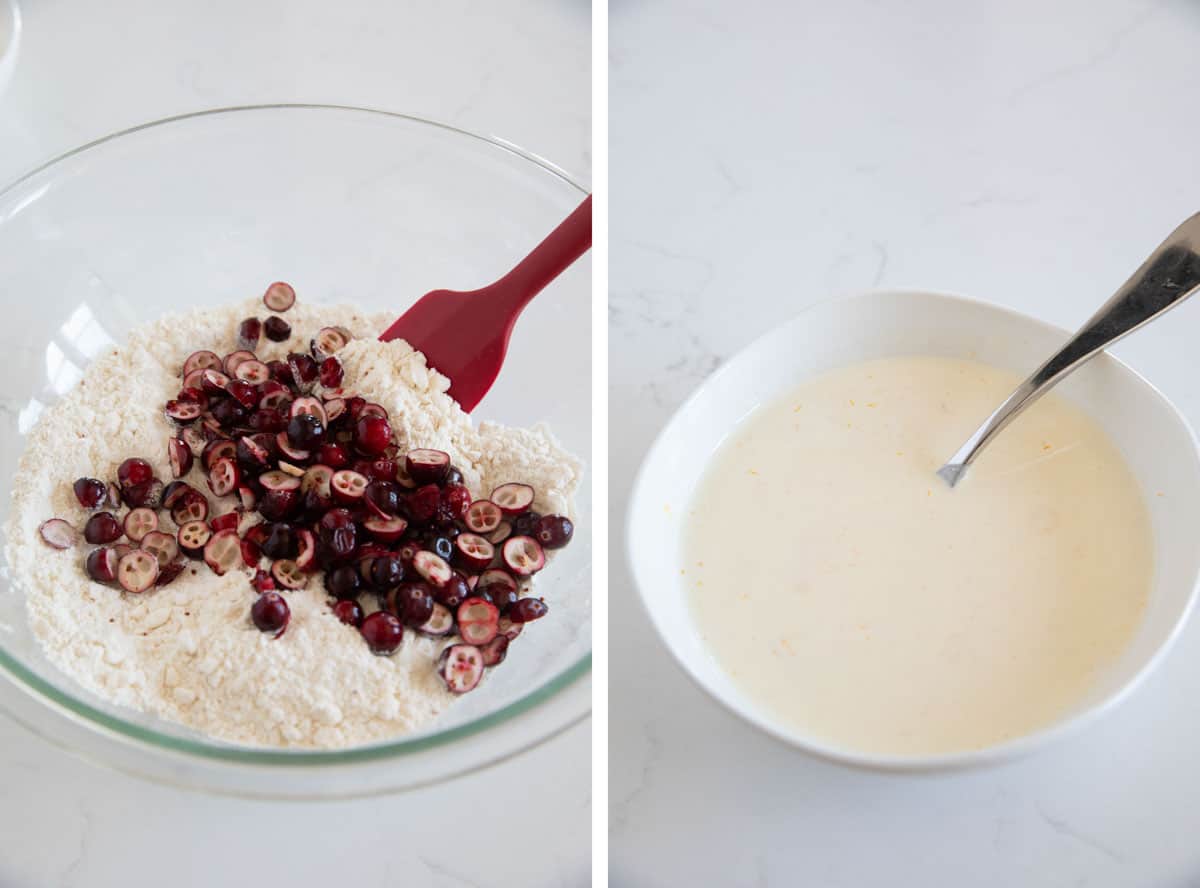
[
  {"x": 218, "y": 751},
  {"x": 943, "y": 762}
]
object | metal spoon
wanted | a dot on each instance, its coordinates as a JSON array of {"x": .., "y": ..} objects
[{"x": 1169, "y": 276}]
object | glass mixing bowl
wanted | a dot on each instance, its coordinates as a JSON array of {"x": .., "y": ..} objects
[{"x": 349, "y": 205}]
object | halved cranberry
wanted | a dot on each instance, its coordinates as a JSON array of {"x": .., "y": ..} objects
[
  {"x": 180, "y": 457},
  {"x": 474, "y": 551},
  {"x": 228, "y": 521},
  {"x": 306, "y": 549},
  {"x": 200, "y": 360},
  {"x": 494, "y": 651},
  {"x": 440, "y": 622},
  {"x": 270, "y": 613},
  {"x": 318, "y": 477},
  {"x": 163, "y": 546},
  {"x": 526, "y": 610},
  {"x": 58, "y": 534},
  {"x": 273, "y": 395},
  {"x": 191, "y": 505},
  {"x": 101, "y": 565},
  {"x": 254, "y": 452},
  {"x": 295, "y": 454},
  {"x": 223, "y": 551},
  {"x": 423, "y": 503},
  {"x": 213, "y": 382},
  {"x": 348, "y": 486},
  {"x": 262, "y": 581},
  {"x": 279, "y": 296},
  {"x": 182, "y": 411},
  {"x": 483, "y": 516},
  {"x": 195, "y": 438},
  {"x": 169, "y": 572},
  {"x": 478, "y": 621},
  {"x": 335, "y": 408},
  {"x": 331, "y": 373},
  {"x": 277, "y": 329},
  {"x": 279, "y": 480},
  {"x": 277, "y": 505},
  {"x": 372, "y": 409},
  {"x": 193, "y": 386},
  {"x": 245, "y": 393},
  {"x": 433, "y": 568},
  {"x": 248, "y": 333},
  {"x": 304, "y": 370},
  {"x": 140, "y": 522},
  {"x": 502, "y": 532},
  {"x": 387, "y": 530},
  {"x": 251, "y": 553},
  {"x": 426, "y": 466},
  {"x": 383, "y": 498},
  {"x": 382, "y": 632},
  {"x": 523, "y": 555},
  {"x": 513, "y": 499},
  {"x": 90, "y": 492},
  {"x": 455, "y": 500},
  {"x": 146, "y": 494},
  {"x": 233, "y": 360},
  {"x": 372, "y": 434},
  {"x": 102, "y": 528},
  {"x": 509, "y": 629},
  {"x": 224, "y": 477},
  {"x": 253, "y": 373},
  {"x": 288, "y": 574},
  {"x": 349, "y": 612},
  {"x": 248, "y": 497},
  {"x": 328, "y": 341},
  {"x": 461, "y": 667},
  {"x": 453, "y": 593},
  {"x": 137, "y": 571}
]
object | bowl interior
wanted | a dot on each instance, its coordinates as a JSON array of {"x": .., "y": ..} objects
[
  {"x": 348, "y": 205},
  {"x": 1153, "y": 438}
]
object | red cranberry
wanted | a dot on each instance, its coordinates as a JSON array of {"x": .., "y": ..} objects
[
  {"x": 333, "y": 455},
  {"x": 453, "y": 476},
  {"x": 277, "y": 329},
  {"x": 280, "y": 372},
  {"x": 268, "y": 419},
  {"x": 413, "y": 603},
  {"x": 554, "y": 531},
  {"x": 228, "y": 412},
  {"x": 423, "y": 503},
  {"x": 271, "y": 613},
  {"x": 276, "y": 505},
  {"x": 372, "y": 434},
  {"x": 383, "y": 633},
  {"x": 385, "y": 496},
  {"x": 243, "y": 392},
  {"x": 457, "y": 498},
  {"x": 453, "y": 593},
  {"x": 339, "y": 532},
  {"x": 440, "y": 544},
  {"x": 248, "y": 332},
  {"x": 331, "y": 373},
  {"x": 304, "y": 369},
  {"x": 280, "y": 542},
  {"x": 90, "y": 492},
  {"x": 343, "y": 581},
  {"x": 526, "y": 523},
  {"x": 527, "y": 610},
  {"x": 102, "y": 528},
  {"x": 134, "y": 471},
  {"x": 387, "y": 571},
  {"x": 349, "y": 612},
  {"x": 379, "y": 469},
  {"x": 101, "y": 565},
  {"x": 305, "y": 431}
]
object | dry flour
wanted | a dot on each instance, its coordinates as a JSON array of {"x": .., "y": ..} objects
[{"x": 188, "y": 652}]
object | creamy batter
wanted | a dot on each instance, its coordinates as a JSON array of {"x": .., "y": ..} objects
[{"x": 858, "y": 599}]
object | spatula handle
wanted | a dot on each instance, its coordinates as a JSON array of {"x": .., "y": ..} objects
[{"x": 566, "y": 243}]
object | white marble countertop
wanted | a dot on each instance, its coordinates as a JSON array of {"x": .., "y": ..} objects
[
  {"x": 766, "y": 155},
  {"x": 519, "y": 69}
]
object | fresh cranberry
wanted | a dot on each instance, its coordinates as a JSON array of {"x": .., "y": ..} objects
[
  {"x": 134, "y": 471},
  {"x": 331, "y": 373},
  {"x": 387, "y": 571},
  {"x": 248, "y": 332},
  {"x": 270, "y": 613},
  {"x": 262, "y": 581},
  {"x": 413, "y": 603},
  {"x": 333, "y": 455},
  {"x": 500, "y": 594},
  {"x": 280, "y": 372},
  {"x": 343, "y": 581},
  {"x": 276, "y": 505},
  {"x": 423, "y": 503},
  {"x": 277, "y": 329},
  {"x": 457, "y": 498},
  {"x": 281, "y": 541},
  {"x": 385, "y": 496},
  {"x": 101, "y": 565},
  {"x": 453, "y": 593},
  {"x": 268, "y": 419},
  {"x": 440, "y": 544},
  {"x": 304, "y": 368},
  {"x": 243, "y": 392},
  {"x": 339, "y": 532},
  {"x": 372, "y": 434},
  {"x": 102, "y": 528},
  {"x": 383, "y": 632},
  {"x": 228, "y": 412},
  {"x": 354, "y": 406},
  {"x": 90, "y": 492},
  {"x": 526, "y": 523},
  {"x": 527, "y": 610},
  {"x": 305, "y": 431},
  {"x": 379, "y": 469},
  {"x": 553, "y": 531},
  {"x": 453, "y": 476},
  {"x": 349, "y": 612}
]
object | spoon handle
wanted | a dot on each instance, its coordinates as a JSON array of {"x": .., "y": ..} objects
[{"x": 1167, "y": 278}]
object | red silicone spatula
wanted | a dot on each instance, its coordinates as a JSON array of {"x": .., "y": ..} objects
[{"x": 464, "y": 335}]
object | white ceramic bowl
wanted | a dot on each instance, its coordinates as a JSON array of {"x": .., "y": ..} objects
[
  {"x": 1154, "y": 438},
  {"x": 10, "y": 33}
]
